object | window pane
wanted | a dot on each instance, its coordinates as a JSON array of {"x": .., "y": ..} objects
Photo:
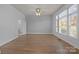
[
  {"x": 72, "y": 9},
  {"x": 63, "y": 25},
  {"x": 57, "y": 24},
  {"x": 64, "y": 13},
  {"x": 73, "y": 25}
]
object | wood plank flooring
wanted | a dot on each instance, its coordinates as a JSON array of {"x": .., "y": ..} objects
[{"x": 37, "y": 44}]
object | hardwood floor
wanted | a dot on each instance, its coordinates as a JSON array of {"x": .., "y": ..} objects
[{"x": 37, "y": 44}]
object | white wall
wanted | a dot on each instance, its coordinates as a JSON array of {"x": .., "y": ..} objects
[
  {"x": 39, "y": 24},
  {"x": 9, "y": 17},
  {"x": 74, "y": 42}
]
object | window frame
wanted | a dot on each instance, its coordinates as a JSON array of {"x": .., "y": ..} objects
[{"x": 68, "y": 15}]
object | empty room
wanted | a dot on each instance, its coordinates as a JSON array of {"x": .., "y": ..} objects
[{"x": 39, "y": 29}]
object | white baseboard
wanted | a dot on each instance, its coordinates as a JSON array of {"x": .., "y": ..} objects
[
  {"x": 8, "y": 40},
  {"x": 75, "y": 45},
  {"x": 39, "y": 33}
]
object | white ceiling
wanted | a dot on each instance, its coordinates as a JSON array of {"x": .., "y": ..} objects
[{"x": 29, "y": 9}]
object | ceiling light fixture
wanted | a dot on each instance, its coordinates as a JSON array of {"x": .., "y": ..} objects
[{"x": 37, "y": 11}]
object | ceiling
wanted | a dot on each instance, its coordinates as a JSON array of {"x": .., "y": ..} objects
[{"x": 29, "y": 9}]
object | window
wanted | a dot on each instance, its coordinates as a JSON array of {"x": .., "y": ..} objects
[
  {"x": 57, "y": 24},
  {"x": 73, "y": 21},
  {"x": 63, "y": 22},
  {"x": 66, "y": 21},
  {"x": 64, "y": 13},
  {"x": 73, "y": 9}
]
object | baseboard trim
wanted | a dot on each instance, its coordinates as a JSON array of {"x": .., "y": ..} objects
[
  {"x": 66, "y": 41},
  {"x": 39, "y": 33},
  {"x": 8, "y": 41}
]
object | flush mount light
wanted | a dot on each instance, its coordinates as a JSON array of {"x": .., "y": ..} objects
[{"x": 37, "y": 11}]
